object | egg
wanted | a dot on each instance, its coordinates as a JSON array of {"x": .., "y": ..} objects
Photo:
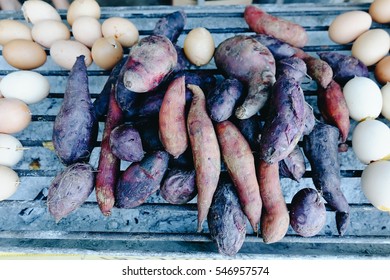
[
  {"x": 11, "y": 150},
  {"x": 107, "y": 52},
  {"x": 363, "y": 97},
  {"x": 386, "y": 101},
  {"x": 86, "y": 30},
  {"x": 199, "y": 46},
  {"x": 13, "y": 29},
  {"x": 24, "y": 54},
  {"x": 375, "y": 184},
  {"x": 35, "y": 11},
  {"x": 65, "y": 52},
  {"x": 371, "y": 46},
  {"x": 122, "y": 29},
  {"x": 382, "y": 70},
  {"x": 15, "y": 115},
  {"x": 346, "y": 27},
  {"x": 80, "y": 8},
  {"x": 28, "y": 86},
  {"x": 370, "y": 141},
  {"x": 9, "y": 182},
  {"x": 46, "y": 32},
  {"x": 380, "y": 11}
]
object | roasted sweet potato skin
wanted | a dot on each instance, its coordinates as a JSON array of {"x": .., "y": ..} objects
[
  {"x": 226, "y": 220},
  {"x": 75, "y": 126},
  {"x": 178, "y": 186}
]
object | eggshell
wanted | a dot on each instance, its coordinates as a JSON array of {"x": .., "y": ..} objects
[
  {"x": 13, "y": 29},
  {"x": 363, "y": 97},
  {"x": 24, "y": 54},
  {"x": 386, "y": 101},
  {"x": 15, "y": 115},
  {"x": 371, "y": 46},
  {"x": 375, "y": 184},
  {"x": 80, "y": 8},
  {"x": 35, "y": 11},
  {"x": 11, "y": 150},
  {"x": 382, "y": 70},
  {"x": 86, "y": 30},
  {"x": 380, "y": 11},
  {"x": 46, "y": 32},
  {"x": 65, "y": 52},
  {"x": 370, "y": 141},
  {"x": 28, "y": 86},
  {"x": 199, "y": 46},
  {"x": 9, "y": 182},
  {"x": 346, "y": 27},
  {"x": 107, "y": 52},
  {"x": 122, "y": 29}
]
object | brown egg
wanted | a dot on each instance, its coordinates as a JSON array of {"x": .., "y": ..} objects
[
  {"x": 86, "y": 30},
  {"x": 46, "y": 32},
  {"x": 382, "y": 70},
  {"x": 122, "y": 30},
  {"x": 15, "y": 115},
  {"x": 107, "y": 52},
  {"x": 80, "y": 8},
  {"x": 380, "y": 11},
  {"x": 65, "y": 52},
  {"x": 24, "y": 54},
  {"x": 12, "y": 29}
]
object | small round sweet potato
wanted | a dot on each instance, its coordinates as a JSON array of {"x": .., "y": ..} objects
[
  {"x": 179, "y": 186},
  {"x": 126, "y": 144}
]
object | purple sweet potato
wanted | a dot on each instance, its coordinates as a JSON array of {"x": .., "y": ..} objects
[
  {"x": 292, "y": 67},
  {"x": 284, "y": 126},
  {"x": 109, "y": 164},
  {"x": 333, "y": 107},
  {"x": 171, "y": 25},
  {"x": 278, "y": 48},
  {"x": 344, "y": 67},
  {"x": 148, "y": 130},
  {"x": 126, "y": 143},
  {"x": 127, "y": 99},
  {"x": 310, "y": 119},
  {"x": 149, "y": 63},
  {"x": 293, "y": 166},
  {"x": 321, "y": 149},
  {"x": 140, "y": 180},
  {"x": 75, "y": 126},
  {"x": 70, "y": 189},
  {"x": 226, "y": 220},
  {"x": 251, "y": 130},
  {"x": 178, "y": 186},
  {"x": 247, "y": 60},
  {"x": 222, "y": 101},
  {"x": 307, "y": 212}
]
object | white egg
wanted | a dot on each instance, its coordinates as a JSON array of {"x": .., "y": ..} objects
[
  {"x": 363, "y": 97},
  {"x": 11, "y": 150},
  {"x": 375, "y": 184},
  {"x": 370, "y": 141},
  {"x": 28, "y": 86},
  {"x": 9, "y": 182}
]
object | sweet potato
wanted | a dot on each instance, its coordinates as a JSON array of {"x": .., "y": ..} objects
[
  {"x": 109, "y": 164},
  {"x": 127, "y": 99},
  {"x": 278, "y": 48},
  {"x": 205, "y": 151},
  {"x": 251, "y": 130},
  {"x": 148, "y": 130},
  {"x": 126, "y": 143},
  {"x": 149, "y": 63},
  {"x": 178, "y": 186},
  {"x": 275, "y": 219},
  {"x": 245, "y": 59},
  {"x": 292, "y": 67},
  {"x": 321, "y": 149},
  {"x": 307, "y": 212},
  {"x": 70, "y": 189},
  {"x": 226, "y": 220},
  {"x": 75, "y": 126},
  {"x": 333, "y": 108},
  {"x": 172, "y": 118},
  {"x": 284, "y": 126},
  {"x": 171, "y": 25},
  {"x": 262, "y": 22},
  {"x": 240, "y": 163},
  {"x": 184, "y": 161},
  {"x": 344, "y": 67},
  {"x": 293, "y": 166},
  {"x": 140, "y": 180},
  {"x": 310, "y": 119},
  {"x": 222, "y": 101}
]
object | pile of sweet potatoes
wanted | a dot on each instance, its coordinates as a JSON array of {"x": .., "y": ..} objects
[{"x": 223, "y": 139}]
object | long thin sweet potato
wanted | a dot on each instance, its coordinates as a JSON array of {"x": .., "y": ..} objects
[
  {"x": 171, "y": 25},
  {"x": 262, "y": 22},
  {"x": 240, "y": 163},
  {"x": 205, "y": 152},
  {"x": 275, "y": 218},
  {"x": 172, "y": 119},
  {"x": 109, "y": 165}
]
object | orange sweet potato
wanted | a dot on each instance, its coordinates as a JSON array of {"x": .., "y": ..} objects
[{"x": 205, "y": 152}]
